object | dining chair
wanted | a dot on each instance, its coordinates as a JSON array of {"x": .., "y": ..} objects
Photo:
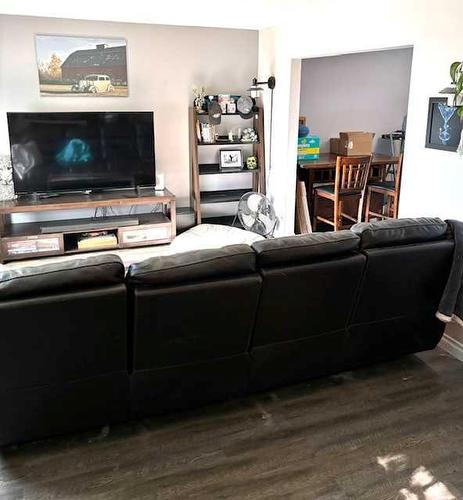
[
  {"x": 347, "y": 192},
  {"x": 388, "y": 190}
]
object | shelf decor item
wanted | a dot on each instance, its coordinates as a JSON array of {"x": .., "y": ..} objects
[
  {"x": 200, "y": 98},
  {"x": 251, "y": 163},
  {"x": 215, "y": 113},
  {"x": 224, "y": 101},
  {"x": 249, "y": 135},
  {"x": 245, "y": 106},
  {"x": 6, "y": 178},
  {"x": 207, "y": 133},
  {"x": 231, "y": 159},
  {"x": 231, "y": 107}
]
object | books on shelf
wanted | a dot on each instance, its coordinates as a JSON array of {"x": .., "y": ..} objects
[
  {"x": 32, "y": 245},
  {"x": 98, "y": 239}
]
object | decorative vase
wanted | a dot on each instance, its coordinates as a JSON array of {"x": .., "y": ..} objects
[
  {"x": 199, "y": 104},
  {"x": 6, "y": 178}
]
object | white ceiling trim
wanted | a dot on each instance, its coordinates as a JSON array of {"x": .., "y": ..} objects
[{"x": 242, "y": 14}]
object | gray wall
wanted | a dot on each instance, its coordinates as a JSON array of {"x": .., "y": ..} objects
[
  {"x": 366, "y": 91},
  {"x": 164, "y": 62}
]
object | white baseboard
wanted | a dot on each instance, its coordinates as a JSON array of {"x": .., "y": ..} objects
[{"x": 452, "y": 346}]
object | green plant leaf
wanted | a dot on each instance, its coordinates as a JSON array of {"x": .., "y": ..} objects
[
  {"x": 454, "y": 67},
  {"x": 460, "y": 112}
]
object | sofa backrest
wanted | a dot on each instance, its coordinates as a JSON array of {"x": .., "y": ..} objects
[
  {"x": 192, "y": 306},
  {"x": 309, "y": 284},
  {"x": 61, "y": 277},
  {"x": 64, "y": 321},
  {"x": 399, "y": 232}
]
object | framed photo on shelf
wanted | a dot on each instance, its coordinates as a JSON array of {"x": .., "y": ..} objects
[
  {"x": 444, "y": 125},
  {"x": 231, "y": 159}
]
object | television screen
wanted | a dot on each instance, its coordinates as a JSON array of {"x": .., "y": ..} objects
[{"x": 56, "y": 152}]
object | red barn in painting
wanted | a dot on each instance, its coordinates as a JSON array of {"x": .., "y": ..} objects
[{"x": 111, "y": 61}]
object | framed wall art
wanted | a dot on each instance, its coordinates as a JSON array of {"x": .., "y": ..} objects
[
  {"x": 81, "y": 66},
  {"x": 444, "y": 125}
]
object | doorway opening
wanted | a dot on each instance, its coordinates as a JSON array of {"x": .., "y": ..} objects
[{"x": 361, "y": 92}]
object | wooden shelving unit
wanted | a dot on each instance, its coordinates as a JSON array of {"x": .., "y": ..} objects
[
  {"x": 25, "y": 240},
  {"x": 198, "y": 169}
]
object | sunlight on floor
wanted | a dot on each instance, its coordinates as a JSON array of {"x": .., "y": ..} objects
[
  {"x": 422, "y": 483},
  {"x": 421, "y": 477},
  {"x": 393, "y": 462}
]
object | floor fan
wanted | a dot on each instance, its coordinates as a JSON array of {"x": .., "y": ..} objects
[{"x": 256, "y": 214}]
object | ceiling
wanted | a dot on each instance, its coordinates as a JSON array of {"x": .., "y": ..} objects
[{"x": 244, "y": 14}]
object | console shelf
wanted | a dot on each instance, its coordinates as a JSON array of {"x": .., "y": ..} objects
[{"x": 24, "y": 240}]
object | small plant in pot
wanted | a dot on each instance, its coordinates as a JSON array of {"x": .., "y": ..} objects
[
  {"x": 456, "y": 74},
  {"x": 456, "y": 89}
]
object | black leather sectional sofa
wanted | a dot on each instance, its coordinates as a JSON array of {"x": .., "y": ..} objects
[{"x": 82, "y": 344}]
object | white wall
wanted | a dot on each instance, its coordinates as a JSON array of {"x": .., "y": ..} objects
[
  {"x": 367, "y": 91},
  {"x": 432, "y": 180},
  {"x": 164, "y": 62}
]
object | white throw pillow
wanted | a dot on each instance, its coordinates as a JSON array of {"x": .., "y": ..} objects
[{"x": 212, "y": 236}]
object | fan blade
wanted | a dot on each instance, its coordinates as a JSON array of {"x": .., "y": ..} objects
[
  {"x": 258, "y": 228},
  {"x": 247, "y": 220}
]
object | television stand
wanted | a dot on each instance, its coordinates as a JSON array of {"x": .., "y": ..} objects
[{"x": 25, "y": 240}]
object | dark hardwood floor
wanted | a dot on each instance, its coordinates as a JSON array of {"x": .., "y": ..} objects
[{"x": 392, "y": 431}]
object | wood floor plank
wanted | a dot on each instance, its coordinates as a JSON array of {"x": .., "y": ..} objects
[{"x": 392, "y": 431}]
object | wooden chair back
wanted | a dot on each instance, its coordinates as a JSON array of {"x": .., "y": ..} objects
[
  {"x": 397, "y": 180},
  {"x": 393, "y": 168},
  {"x": 398, "y": 173},
  {"x": 352, "y": 174},
  {"x": 389, "y": 208}
]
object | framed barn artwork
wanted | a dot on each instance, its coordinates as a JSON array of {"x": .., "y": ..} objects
[{"x": 81, "y": 66}]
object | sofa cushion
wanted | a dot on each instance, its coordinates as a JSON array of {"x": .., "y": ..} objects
[
  {"x": 67, "y": 276},
  {"x": 198, "y": 265},
  {"x": 307, "y": 247},
  {"x": 394, "y": 232}
]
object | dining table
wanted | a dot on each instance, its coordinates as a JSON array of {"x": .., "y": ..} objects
[
  {"x": 307, "y": 169},
  {"x": 322, "y": 169}
]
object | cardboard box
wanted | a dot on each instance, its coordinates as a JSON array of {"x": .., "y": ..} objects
[
  {"x": 334, "y": 145},
  {"x": 355, "y": 143}
]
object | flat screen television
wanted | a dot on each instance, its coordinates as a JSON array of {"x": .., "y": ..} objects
[{"x": 62, "y": 152}]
